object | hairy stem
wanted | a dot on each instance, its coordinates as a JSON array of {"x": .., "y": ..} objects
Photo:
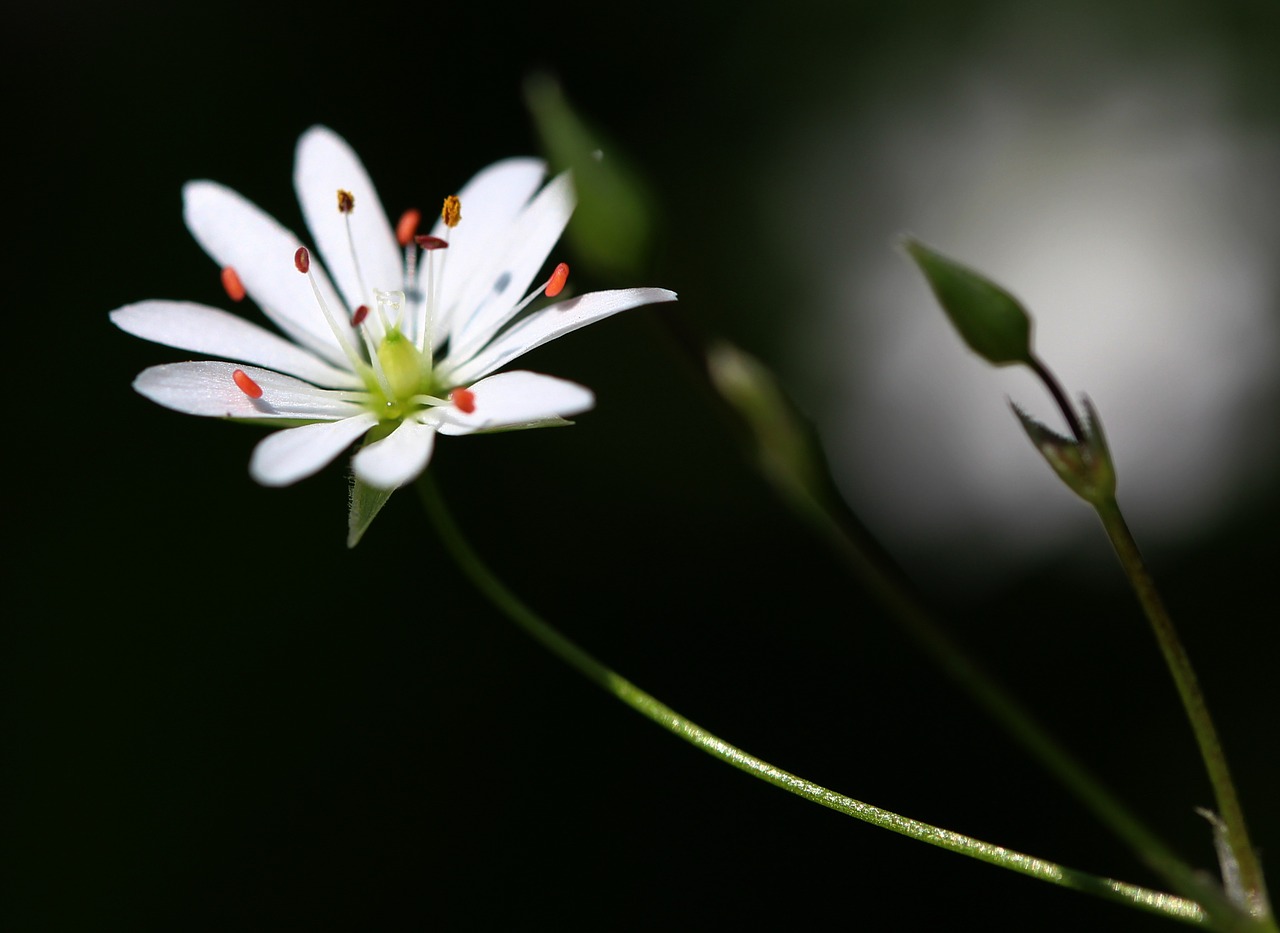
[{"x": 1174, "y": 907}]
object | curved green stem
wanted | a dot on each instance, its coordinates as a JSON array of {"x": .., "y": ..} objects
[
  {"x": 789, "y": 456},
  {"x": 885, "y": 584},
  {"x": 1177, "y": 908},
  {"x": 1241, "y": 869}
]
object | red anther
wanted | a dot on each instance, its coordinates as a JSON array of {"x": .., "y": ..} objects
[
  {"x": 426, "y": 241},
  {"x": 463, "y": 399},
  {"x": 231, "y": 282},
  {"x": 407, "y": 226},
  {"x": 245, "y": 384},
  {"x": 555, "y": 284},
  {"x": 302, "y": 259},
  {"x": 360, "y": 314}
]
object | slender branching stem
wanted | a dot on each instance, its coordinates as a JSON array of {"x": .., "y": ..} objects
[
  {"x": 818, "y": 504},
  {"x": 1171, "y": 906},
  {"x": 1055, "y": 389},
  {"x": 1242, "y": 872},
  {"x": 1251, "y": 883}
]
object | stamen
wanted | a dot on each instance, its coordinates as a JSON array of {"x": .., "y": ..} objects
[
  {"x": 430, "y": 244},
  {"x": 232, "y": 284},
  {"x": 302, "y": 262},
  {"x": 463, "y": 399},
  {"x": 451, "y": 216},
  {"x": 451, "y": 213},
  {"x": 407, "y": 226},
  {"x": 555, "y": 285},
  {"x": 360, "y": 314},
  {"x": 245, "y": 384},
  {"x": 346, "y": 205}
]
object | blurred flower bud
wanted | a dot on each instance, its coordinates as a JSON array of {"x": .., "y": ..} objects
[
  {"x": 612, "y": 228},
  {"x": 992, "y": 322}
]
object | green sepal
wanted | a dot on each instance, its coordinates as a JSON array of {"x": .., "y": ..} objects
[
  {"x": 612, "y": 227},
  {"x": 992, "y": 322},
  {"x": 272, "y": 422},
  {"x": 1086, "y": 467},
  {"x": 366, "y": 502},
  {"x": 553, "y": 422}
]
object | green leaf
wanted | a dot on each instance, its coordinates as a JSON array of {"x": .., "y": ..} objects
[
  {"x": 612, "y": 227},
  {"x": 992, "y": 322}
]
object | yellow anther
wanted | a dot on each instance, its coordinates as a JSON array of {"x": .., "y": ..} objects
[
  {"x": 346, "y": 201},
  {"x": 451, "y": 213}
]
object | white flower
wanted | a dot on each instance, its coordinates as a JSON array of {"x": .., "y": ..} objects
[{"x": 404, "y": 347}]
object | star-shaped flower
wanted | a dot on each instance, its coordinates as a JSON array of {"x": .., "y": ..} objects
[{"x": 403, "y": 348}]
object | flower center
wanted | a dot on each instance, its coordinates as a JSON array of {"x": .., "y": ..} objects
[
  {"x": 403, "y": 366},
  {"x": 391, "y": 346}
]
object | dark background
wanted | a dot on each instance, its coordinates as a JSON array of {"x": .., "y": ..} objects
[{"x": 220, "y": 718}]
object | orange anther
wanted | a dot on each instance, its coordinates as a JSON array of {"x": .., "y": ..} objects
[
  {"x": 231, "y": 282},
  {"x": 407, "y": 226},
  {"x": 555, "y": 284},
  {"x": 451, "y": 213},
  {"x": 245, "y": 384},
  {"x": 463, "y": 399}
]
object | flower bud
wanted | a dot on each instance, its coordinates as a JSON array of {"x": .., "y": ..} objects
[{"x": 992, "y": 322}]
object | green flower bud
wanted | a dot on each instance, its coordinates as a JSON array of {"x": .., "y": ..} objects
[
  {"x": 992, "y": 322},
  {"x": 784, "y": 444}
]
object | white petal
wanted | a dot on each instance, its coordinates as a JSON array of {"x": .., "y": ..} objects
[
  {"x": 295, "y": 453},
  {"x": 549, "y": 323},
  {"x": 207, "y": 388},
  {"x": 397, "y": 458},
  {"x": 236, "y": 233},
  {"x": 202, "y": 329},
  {"x": 514, "y": 399},
  {"x": 492, "y": 292},
  {"x": 325, "y": 164},
  {"x": 491, "y": 201}
]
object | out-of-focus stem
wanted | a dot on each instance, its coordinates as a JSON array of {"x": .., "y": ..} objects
[{"x": 1252, "y": 885}]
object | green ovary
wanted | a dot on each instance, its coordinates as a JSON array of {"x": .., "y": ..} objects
[{"x": 407, "y": 374}]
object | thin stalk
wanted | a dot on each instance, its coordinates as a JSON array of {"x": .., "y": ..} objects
[
  {"x": 1251, "y": 885},
  {"x": 1004, "y": 709},
  {"x": 815, "y": 501},
  {"x": 1242, "y": 873},
  {"x": 1152, "y": 901},
  {"x": 1064, "y": 404}
]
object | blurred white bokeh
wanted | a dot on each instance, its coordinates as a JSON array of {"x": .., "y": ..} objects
[{"x": 1135, "y": 219}]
